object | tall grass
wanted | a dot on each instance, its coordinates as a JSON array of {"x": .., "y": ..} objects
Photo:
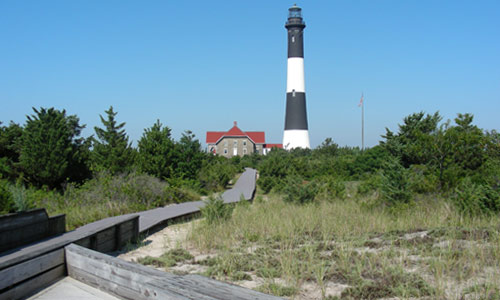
[
  {"x": 372, "y": 250},
  {"x": 107, "y": 196}
]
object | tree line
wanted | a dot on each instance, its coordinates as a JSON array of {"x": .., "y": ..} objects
[
  {"x": 456, "y": 161},
  {"x": 48, "y": 152}
]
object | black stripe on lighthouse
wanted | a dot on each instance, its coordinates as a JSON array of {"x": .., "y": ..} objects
[
  {"x": 295, "y": 40},
  {"x": 296, "y": 113}
]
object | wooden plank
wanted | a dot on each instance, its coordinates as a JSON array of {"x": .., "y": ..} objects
[
  {"x": 110, "y": 274},
  {"x": 19, "y": 255},
  {"x": 30, "y": 268},
  {"x": 223, "y": 290},
  {"x": 10, "y": 221},
  {"x": 126, "y": 226},
  {"x": 85, "y": 242},
  {"x": 31, "y": 286},
  {"x": 105, "y": 240},
  {"x": 57, "y": 224}
]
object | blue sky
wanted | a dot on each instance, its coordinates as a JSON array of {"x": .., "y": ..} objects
[{"x": 200, "y": 65}]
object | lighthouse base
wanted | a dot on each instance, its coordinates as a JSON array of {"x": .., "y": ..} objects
[{"x": 296, "y": 138}]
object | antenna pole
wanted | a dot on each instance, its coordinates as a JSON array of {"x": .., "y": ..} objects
[{"x": 362, "y": 123}]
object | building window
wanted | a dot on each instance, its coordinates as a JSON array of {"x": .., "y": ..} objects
[
  {"x": 225, "y": 150},
  {"x": 244, "y": 150},
  {"x": 236, "y": 143},
  {"x": 225, "y": 143},
  {"x": 244, "y": 143}
]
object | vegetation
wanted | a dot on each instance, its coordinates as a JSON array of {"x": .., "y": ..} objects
[
  {"x": 415, "y": 216},
  {"x": 457, "y": 162},
  {"x": 351, "y": 250},
  {"x": 112, "y": 151},
  {"x": 45, "y": 163}
]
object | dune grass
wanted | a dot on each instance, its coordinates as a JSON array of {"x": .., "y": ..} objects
[{"x": 428, "y": 251}]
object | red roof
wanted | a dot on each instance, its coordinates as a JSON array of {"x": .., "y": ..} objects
[
  {"x": 258, "y": 137},
  {"x": 273, "y": 145}
]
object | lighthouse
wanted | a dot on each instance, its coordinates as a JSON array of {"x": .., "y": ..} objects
[{"x": 296, "y": 133}]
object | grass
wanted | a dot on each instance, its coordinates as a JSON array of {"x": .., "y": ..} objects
[
  {"x": 168, "y": 259},
  {"x": 108, "y": 196},
  {"x": 429, "y": 251}
]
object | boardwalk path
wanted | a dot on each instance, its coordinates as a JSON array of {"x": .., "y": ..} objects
[
  {"x": 245, "y": 186},
  {"x": 147, "y": 220}
]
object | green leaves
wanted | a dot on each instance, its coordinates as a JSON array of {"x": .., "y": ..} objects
[
  {"x": 156, "y": 151},
  {"x": 49, "y": 147},
  {"x": 112, "y": 150}
]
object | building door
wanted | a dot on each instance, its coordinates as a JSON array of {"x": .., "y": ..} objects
[{"x": 235, "y": 151}]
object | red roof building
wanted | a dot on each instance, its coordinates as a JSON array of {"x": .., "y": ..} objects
[{"x": 237, "y": 142}]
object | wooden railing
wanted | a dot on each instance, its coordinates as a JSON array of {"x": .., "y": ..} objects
[{"x": 26, "y": 269}]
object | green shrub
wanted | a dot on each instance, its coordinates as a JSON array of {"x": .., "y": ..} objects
[
  {"x": 331, "y": 187},
  {"x": 421, "y": 180},
  {"x": 266, "y": 183},
  {"x": 20, "y": 198},
  {"x": 395, "y": 188},
  {"x": 472, "y": 199},
  {"x": 215, "y": 211},
  {"x": 371, "y": 184},
  {"x": 6, "y": 201},
  {"x": 216, "y": 173},
  {"x": 297, "y": 191},
  {"x": 107, "y": 195}
]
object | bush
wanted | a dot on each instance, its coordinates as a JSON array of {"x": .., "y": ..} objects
[
  {"x": 6, "y": 201},
  {"x": 107, "y": 196},
  {"x": 421, "y": 181},
  {"x": 216, "y": 173},
  {"x": 215, "y": 211},
  {"x": 266, "y": 183},
  {"x": 473, "y": 199},
  {"x": 332, "y": 187},
  {"x": 371, "y": 184},
  {"x": 297, "y": 191},
  {"x": 20, "y": 198},
  {"x": 395, "y": 188}
]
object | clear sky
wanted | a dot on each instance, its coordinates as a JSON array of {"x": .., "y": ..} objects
[{"x": 201, "y": 65}]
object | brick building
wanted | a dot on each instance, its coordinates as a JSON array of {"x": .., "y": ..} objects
[{"x": 237, "y": 142}]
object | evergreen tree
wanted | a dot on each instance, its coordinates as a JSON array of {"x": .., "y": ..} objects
[
  {"x": 112, "y": 150},
  {"x": 189, "y": 155},
  {"x": 156, "y": 151},
  {"x": 10, "y": 147},
  {"x": 50, "y": 147}
]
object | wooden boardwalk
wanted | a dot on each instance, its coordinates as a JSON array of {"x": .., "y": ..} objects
[
  {"x": 27, "y": 268},
  {"x": 245, "y": 186}
]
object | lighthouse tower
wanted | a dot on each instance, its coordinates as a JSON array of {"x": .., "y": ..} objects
[{"x": 296, "y": 131}]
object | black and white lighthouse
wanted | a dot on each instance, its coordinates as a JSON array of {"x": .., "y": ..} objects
[{"x": 296, "y": 130}]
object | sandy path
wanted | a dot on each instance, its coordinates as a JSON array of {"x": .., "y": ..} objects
[{"x": 155, "y": 245}]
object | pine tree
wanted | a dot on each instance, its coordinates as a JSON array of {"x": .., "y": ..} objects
[
  {"x": 156, "y": 151},
  {"x": 112, "y": 150},
  {"x": 10, "y": 147},
  {"x": 50, "y": 147},
  {"x": 190, "y": 156}
]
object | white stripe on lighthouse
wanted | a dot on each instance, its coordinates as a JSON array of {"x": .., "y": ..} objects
[
  {"x": 295, "y": 75},
  {"x": 296, "y": 139}
]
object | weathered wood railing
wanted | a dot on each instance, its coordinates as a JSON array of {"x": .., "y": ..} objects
[
  {"x": 29, "y": 268},
  {"x": 26, "y": 269},
  {"x": 26, "y": 227},
  {"x": 136, "y": 282}
]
